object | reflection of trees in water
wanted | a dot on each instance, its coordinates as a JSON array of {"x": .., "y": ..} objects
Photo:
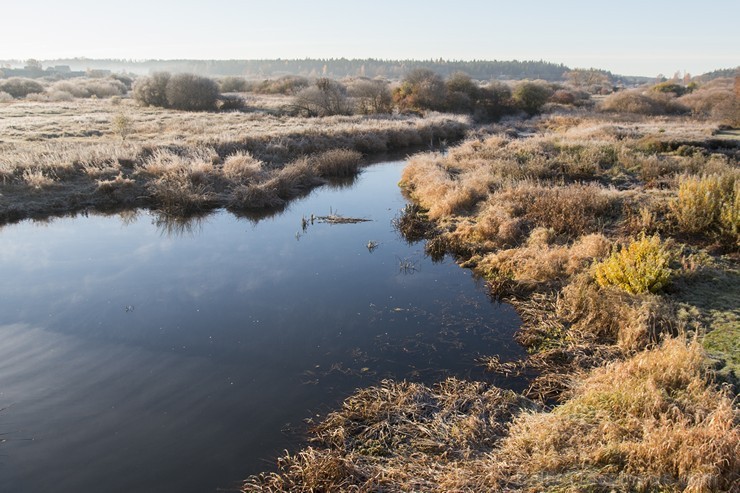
[
  {"x": 256, "y": 215},
  {"x": 339, "y": 183},
  {"x": 175, "y": 225},
  {"x": 129, "y": 216}
]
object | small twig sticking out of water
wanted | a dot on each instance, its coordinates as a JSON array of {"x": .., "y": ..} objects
[{"x": 407, "y": 265}]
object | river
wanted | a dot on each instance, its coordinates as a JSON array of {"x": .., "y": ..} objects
[{"x": 137, "y": 355}]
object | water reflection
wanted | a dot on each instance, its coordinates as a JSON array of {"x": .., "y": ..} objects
[
  {"x": 171, "y": 355},
  {"x": 177, "y": 225}
]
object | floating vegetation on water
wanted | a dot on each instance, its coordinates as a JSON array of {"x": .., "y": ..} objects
[
  {"x": 332, "y": 218},
  {"x": 337, "y": 219},
  {"x": 407, "y": 265},
  {"x": 372, "y": 245}
]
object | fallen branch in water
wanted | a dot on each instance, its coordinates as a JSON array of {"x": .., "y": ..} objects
[{"x": 337, "y": 219}]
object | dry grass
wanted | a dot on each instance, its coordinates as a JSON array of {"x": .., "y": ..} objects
[
  {"x": 652, "y": 422},
  {"x": 538, "y": 218},
  {"x": 63, "y": 151},
  {"x": 402, "y": 437},
  {"x": 709, "y": 205}
]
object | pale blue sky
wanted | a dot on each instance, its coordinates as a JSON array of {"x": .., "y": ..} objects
[{"x": 627, "y": 37}]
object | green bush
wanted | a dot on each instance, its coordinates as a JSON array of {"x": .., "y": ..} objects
[
  {"x": 642, "y": 266},
  {"x": 669, "y": 88},
  {"x": 530, "y": 97}
]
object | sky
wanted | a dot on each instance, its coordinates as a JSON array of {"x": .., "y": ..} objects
[{"x": 627, "y": 37}]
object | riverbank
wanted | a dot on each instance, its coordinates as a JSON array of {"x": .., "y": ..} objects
[
  {"x": 617, "y": 241},
  {"x": 63, "y": 157}
]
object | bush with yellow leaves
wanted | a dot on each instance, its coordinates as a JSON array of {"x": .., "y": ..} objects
[{"x": 642, "y": 266}]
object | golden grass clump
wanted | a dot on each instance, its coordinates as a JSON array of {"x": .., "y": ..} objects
[
  {"x": 538, "y": 262},
  {"x": 571, "y": 210},
  {"x": 608, "y": 315},
  {"x": 242, "y": 167},
  {"x": 652, "y": 422},
  {"x": 336, "y": 162},
  {"x": 708, "y": 204},
  {"x": 442, "y": 190},
  {"x": 641, "y": 266}
]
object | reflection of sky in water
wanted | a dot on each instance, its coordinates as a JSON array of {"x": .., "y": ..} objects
[{"x": 172, "y": 362}]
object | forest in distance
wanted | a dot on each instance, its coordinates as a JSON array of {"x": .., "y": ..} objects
[{"x": 331, "y": 67}]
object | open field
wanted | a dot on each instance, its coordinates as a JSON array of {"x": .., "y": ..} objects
[
  {"x": 58, "y": 157},
  {"x": 616, "y": 237}
]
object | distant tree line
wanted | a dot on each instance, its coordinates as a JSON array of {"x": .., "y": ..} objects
[{"x": 329, "y": 67}]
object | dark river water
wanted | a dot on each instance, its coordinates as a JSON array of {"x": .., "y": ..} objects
[{"x": 137, "y": 356}]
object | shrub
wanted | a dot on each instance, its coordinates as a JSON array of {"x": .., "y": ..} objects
[
  {"x": 191, "y": 93},
  {"x": 669, "y": 87},
  {"x": 122, "y": 125},
  {"x": 371, "y": 96},
  {"x": 462, "y": 93},
  {"x": 494, "y": 101},
  {"x": 181, "y": 92},
  {"x": 5, "y": 97},
  {"x": 642, "y": 104},
  {"x": 233, "y": 84},
  {"x": 106, "y": 88},
  {"x": 127, "y": 81},
  {"x": 642, "y": 266},
  {"x": 563, "y": 96},
  {"x": 19, "y": 87},
  {"x": 326, "y": 97},
  {"x": 85, "y": 88},
  {"x": 421, "y": 90},
  {"x": 716, "y": 100},
  {"x": 336, "y": 162},
  {"x": 288, "y": 85},
  {"x": 708, "y": 204},
  {"x": 152, "y": 90},
  {"x": 530, "y": 97}
]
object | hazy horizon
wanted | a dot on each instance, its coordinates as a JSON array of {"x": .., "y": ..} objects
[{"x": 627, "y": 38}]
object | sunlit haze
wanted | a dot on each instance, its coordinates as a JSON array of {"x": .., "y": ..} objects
[{"x": 626, "y": 37}]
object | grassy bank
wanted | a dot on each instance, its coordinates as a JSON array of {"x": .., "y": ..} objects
[
  {"x": 59, "y": 157},
  {"x": 617, "y": 240}
]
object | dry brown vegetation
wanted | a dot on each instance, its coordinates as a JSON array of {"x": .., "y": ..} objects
[
  {"x": 65, "y": 156},
  {"x": 615, "y": 236},
  {"x": 616, "y": 239}
]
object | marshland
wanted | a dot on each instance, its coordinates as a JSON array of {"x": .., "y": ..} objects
[{"x": 433, "y": 283}]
